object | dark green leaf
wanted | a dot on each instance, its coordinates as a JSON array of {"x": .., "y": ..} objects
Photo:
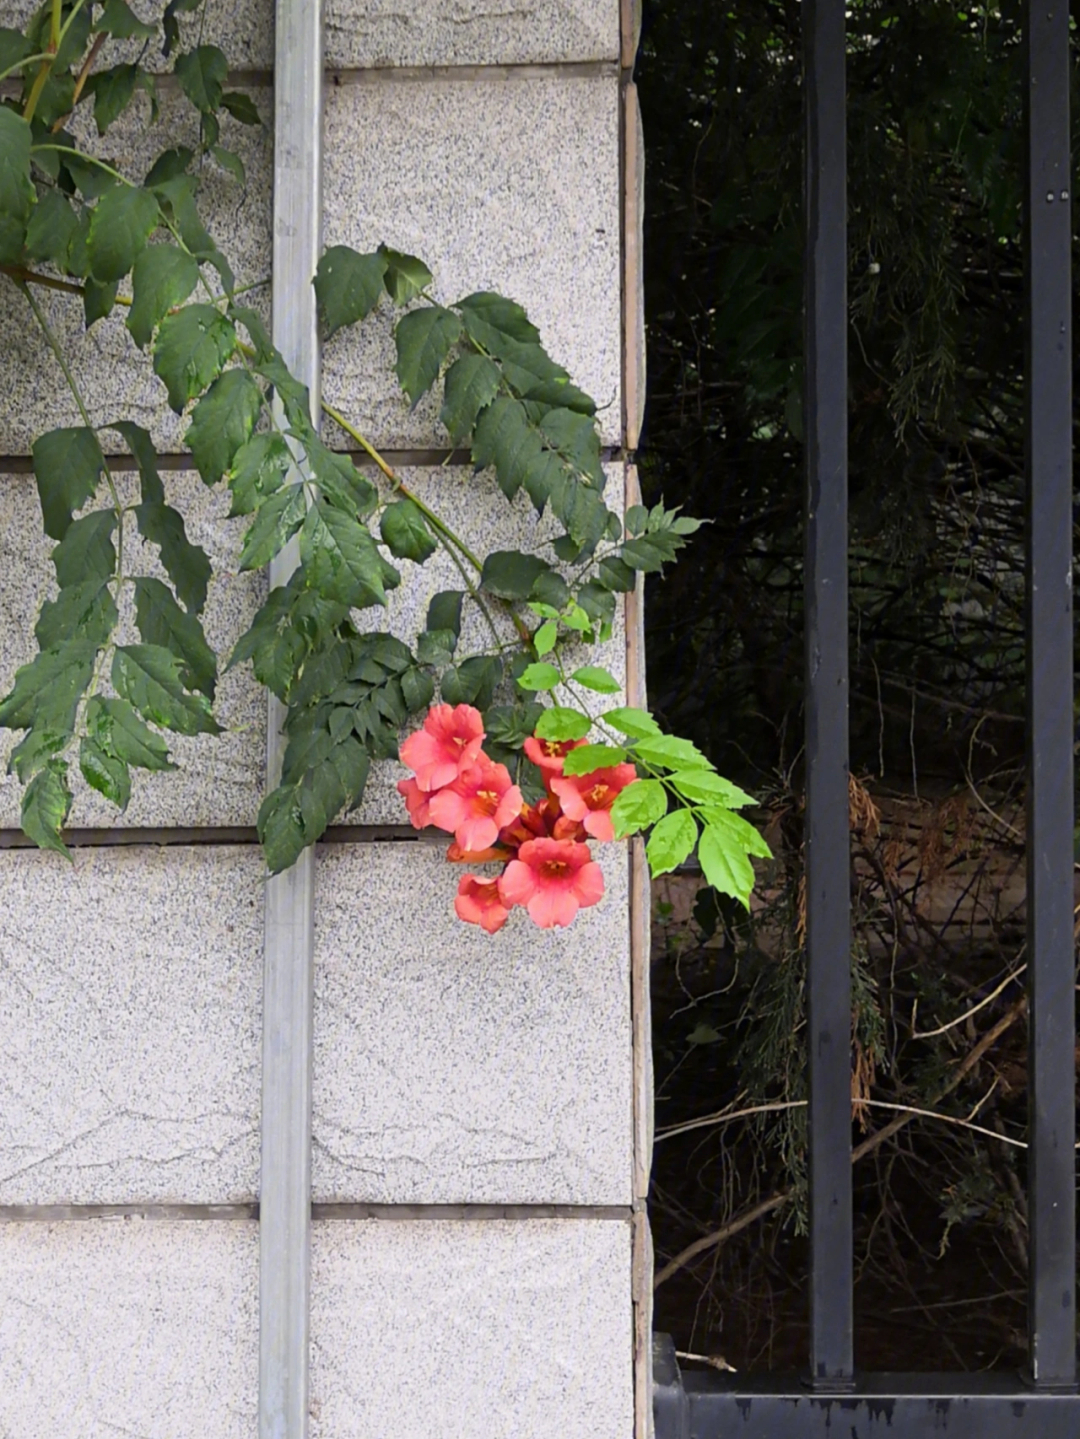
[
  {"x": 436, "y": 647},
  {"x": 500, "y": 314},
  {"x": 539, "y": 677},
  {"x": 16, "y": 187},
  {"x": 14, "y": 47},
  {"x": 67, "y": 466},
  {"x": 142, "y": 447},
  {"x": 418, "y": 689},
  {"x": 34, "y": 751},
  {"x": 589, "y": 757},
  {"x": 637, "y": 517},
  {"x": 639, "y": 805},
  {"x": 46, "y": 804},
  {"x": 91, "y": 181},
  {"x": 405, "y": 276},
  {"x": 340, "y": 481},
  {"x": 577, "y": 440},
  {"x": 169, "y": 165},
  {"x": 348, "y": 286},
  {"x": 273, "y": 644},
  {"x": 241, "y": 107},
  {"x": 505, "y": 439},
  {"x": 222, "y": 421},
  {"x": 169, "y": 23},
  {"x": 613, "y": 574},
  {"x": 473, "y": 682},
  {"x": 120, "y": 21},
  {"x": 594, "y": 677},
  {"x": 340, "y": 558},
  {"x": 472, "y": 382},
  {"x": 559, "y": 394},
  {"x": 120, "y": 731},
  {"x": 52, "y": 225},
  {"x": 149, "y": 676},
  {"x": 123, "y": 220},
  {"x": 162, "y": 622},
  {"x": 511, "y": 575},
  {"x": 560, "y": 723},
  {"x": 597, "y": 602},
  {"x": 98, "y": 300},
  {"x": 105, "y": 772},
  {"x": 202, "y": 73},
  {"x": 47, "y": 691},
  {"x": 187, "y": 565},
  {"x": 192, "y": 347},
  {"x": 112, "y": 91},
  {"x": 87, "y": 552},
  {"x": 258, "y": 469},
  {"x": 163, "y": 276},
  {"x": 230, "y": 162},
  {"x": 277, "y": 520},
  {"x": 501, "y": 328},
  {"x": 405, "y": 532},
  {"x": 424, "y": 339},
  {"x": 85, "y": 611},
  {"x": 444, "y": 611},
  {"x": 551, "y": 589}
]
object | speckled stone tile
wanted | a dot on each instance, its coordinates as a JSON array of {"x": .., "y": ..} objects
[
  {"x": 471, "y": 1330},
  {"x": 244, "y": 29},
  {"x": 509, "y": 185},
  {"x": 130, "y": 1022},
  {"x": 453, "y": 1066},
  {"x": 364, "y": 33},
  {"x": 220, "y": 778},
  {"x": 115, "y": 378},
  {"x": 130, "y": 1327}
]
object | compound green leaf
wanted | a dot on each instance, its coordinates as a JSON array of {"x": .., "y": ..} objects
[
  {"x": 424, "y": 339},
  {"x": 202, "y": 73},
  {"x": 47, "y": 691},
  {"x": 589, "y": 757},
  {"x": 348, "y": 286},
  {"x": 192, "y": 347},
  {"x": 105, "y": 772},
  {"x": 67, "y": 466},
  {"x": 46, "y": 804},
  {"x": 406, "y": 276},
  {"x": 703, "y": 786},
  {"x": 186, "y": 564},
  {"x": 671, "y": 753},
  {"x": 739, "y": 830},
  {"x": 163, "y": 277},
  {"x": 594, "y": 677},
  {"x": 671, "y": 842},
  {"x": 472, "y": 382},
  {"x": 636, "y": 723},
  {"x": 162, "y": 622},
  {"x": 505, "y": 439},
  {"x": 405, "y": 532},
  {"x": 222, "y": 421},
  {"x": 87, "y": 552},
  {"x": 84, "y": 611},
  {"x": 276, "y": 521},
  {"x": 639, "y": 805},
  {"x": 541, "y": 676},
  {"x": 725, "y": 864},
  {"x": 118, "y": 729},
  {"x": 149, "y": 676},
  {"x": 340, "y": 558},
  {"x": 562, "y": 723},
  {"x": 258, "y": 469},
  {"x": 123, "y": 220}
]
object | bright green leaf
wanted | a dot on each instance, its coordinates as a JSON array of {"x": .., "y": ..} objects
[
  {"x": 424, "y": 339},
  {"x": 704, "y": 786},
  {"x": 671, "y": 753},
  {"x": 163, "y": 277},
  {"x": 539, "y": 677},
  {"x": 545, "y": 638},
  {"x": 740, "y": 830},
  {"x": 561, "y": 723},
  {"x": 222, "y": 421},
  {"x": 149, "y": 676},
  {"x": 590, "y": 757},
  {"x": 638, "y": 724},
  {"x": 639, "y": 805},
  {"x": 348, "y": 286},
  {"x": 671, "y": 842},
  {"x": 725, "y": 864},
  {"x": 67, "y": 466},
  {"x": 192, "y": 347},
  {"x": 595, "y": 677}
]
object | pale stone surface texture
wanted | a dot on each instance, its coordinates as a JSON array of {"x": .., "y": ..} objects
[
  {"x": 220, "y": 778},
  {"x": 129, "y": 1327},
  {"x": 371, "y": 33},
  {"x": 472, "y": 1329},
  {"x": 115, "y": 379},
  {"x": 454, "y": 1066},
  {"x": 130, "y": 1022},
  {"x": 509, "y": 185}
]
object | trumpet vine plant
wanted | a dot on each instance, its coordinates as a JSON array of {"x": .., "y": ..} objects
[{"x": 551, "y": 776}]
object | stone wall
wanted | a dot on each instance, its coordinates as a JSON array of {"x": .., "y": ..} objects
[{"x": 480, "y": 1117}]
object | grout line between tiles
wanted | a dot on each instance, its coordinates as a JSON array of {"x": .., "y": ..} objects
[{"x": 394, "y": 1213}]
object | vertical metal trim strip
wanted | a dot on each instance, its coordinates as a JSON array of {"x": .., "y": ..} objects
[
  {"x": 285, "y": 1185},
  {"x": 1052, "y": 1030},
  {"x": 828, "y": 919}
]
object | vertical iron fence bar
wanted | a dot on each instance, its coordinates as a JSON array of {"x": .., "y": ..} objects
[
  {"x": 285, "y": 1181},
  {"x": 828, "y": 919},
  {"x": 1052, "y": 1067}
]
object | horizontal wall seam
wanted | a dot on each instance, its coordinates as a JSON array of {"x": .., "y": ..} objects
[
  {"x": 225, "y": 835},
  {"x": 547, "y": 70},
  {"x": 224, "y": 1213},
  {"x": 418, "y": 459}
]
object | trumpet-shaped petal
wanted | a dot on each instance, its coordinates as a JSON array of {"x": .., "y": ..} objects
[
  {"x": 417, "y": 802},
  {"x": 479, "y": 902},
  {"x": 548, "y": 755},
  {"x": 479, "y": 803},
  {"x": 448, "y": 743},
  {"x": 553, "y": 879},
  {"x": 588, "y": 798}
]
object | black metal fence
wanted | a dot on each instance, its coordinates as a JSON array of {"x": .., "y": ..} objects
[{"x": 830, "y": 1398}]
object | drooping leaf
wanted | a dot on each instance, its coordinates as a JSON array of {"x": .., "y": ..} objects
[
  {"x": 258, "y": 469},
  {"x": 46, "y": 804},
  {"x": 16, "y": 187},
  {"x": 142, "y": 447},
  {"x": 186, "y": 564},
  {"x": 121, "y": 22},
  {"x": 47, "y": 691},
  {"x": 105, "y": 772},
  {"x": 505, "y": 439},
  {"x": 576, "y": 438},
  {"x": 638, "y": 805},
  {"x": 162, "y": 622},
  {"x": 273, "y": 643},
  {"x": 339, "y": 479},
  {"x": 67, "y": 466},
  {"x": 276, "y": 521},
  {"x": 501, "y": 328},
  {"x": 671, "y": 842},
  {"x": 14, "y": 47},
  {"x": 341, "y": 559},
  {"x": 472, "y": 382},
  {"x": 725, "y": 864},
  {"x": 551, "y": 589},
  {"x": 562, "y": 723},
  {"x": 192, "y": 347},
  {"x": 202, "y": 73},
  {"x": 112, "y": 90},
  {"x": 348, "y": 286},
  {"x": 123, "y": 220},
  {"x": 241, "y": 107},
  {"x": 169, "y": 165},
  {"x": 405, "y": 277},
  {"x": 118, "y": 729},
  {"x": 222, "y": 421},
  {"x": 424, "y": 339},
  {"x": 405, "y": 532},
  {"x": 418, "y": 688},
  {"x": 98, "y": 300},
  {"x": 85, "y": 611},
  {"x": 511, "y": 575},
  {"x": 444, "y": 611},
  {"x": 163, "y": 276},
  {"x": 52, "y": 225},
  {"x": 230, "y": 162},
  {"x": 149, "y": 676},
  {"x": 589, "y": 757},
  {"x": 87, "y": 551},
  {"x": 595, "y": 677},
  {"x": 169, "y": 22}
]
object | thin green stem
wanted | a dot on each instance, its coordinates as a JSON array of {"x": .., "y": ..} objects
[
  {"x": 90, "y": 160},
  {"x": 22, "y": 64}
]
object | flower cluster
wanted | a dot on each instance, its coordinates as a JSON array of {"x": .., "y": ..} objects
[{"x": 548, "y": 867}]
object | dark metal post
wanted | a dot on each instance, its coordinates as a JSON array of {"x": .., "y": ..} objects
[
  {"x": 828, "y": 919},
  {"x": 1052, "y": 1069}
]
